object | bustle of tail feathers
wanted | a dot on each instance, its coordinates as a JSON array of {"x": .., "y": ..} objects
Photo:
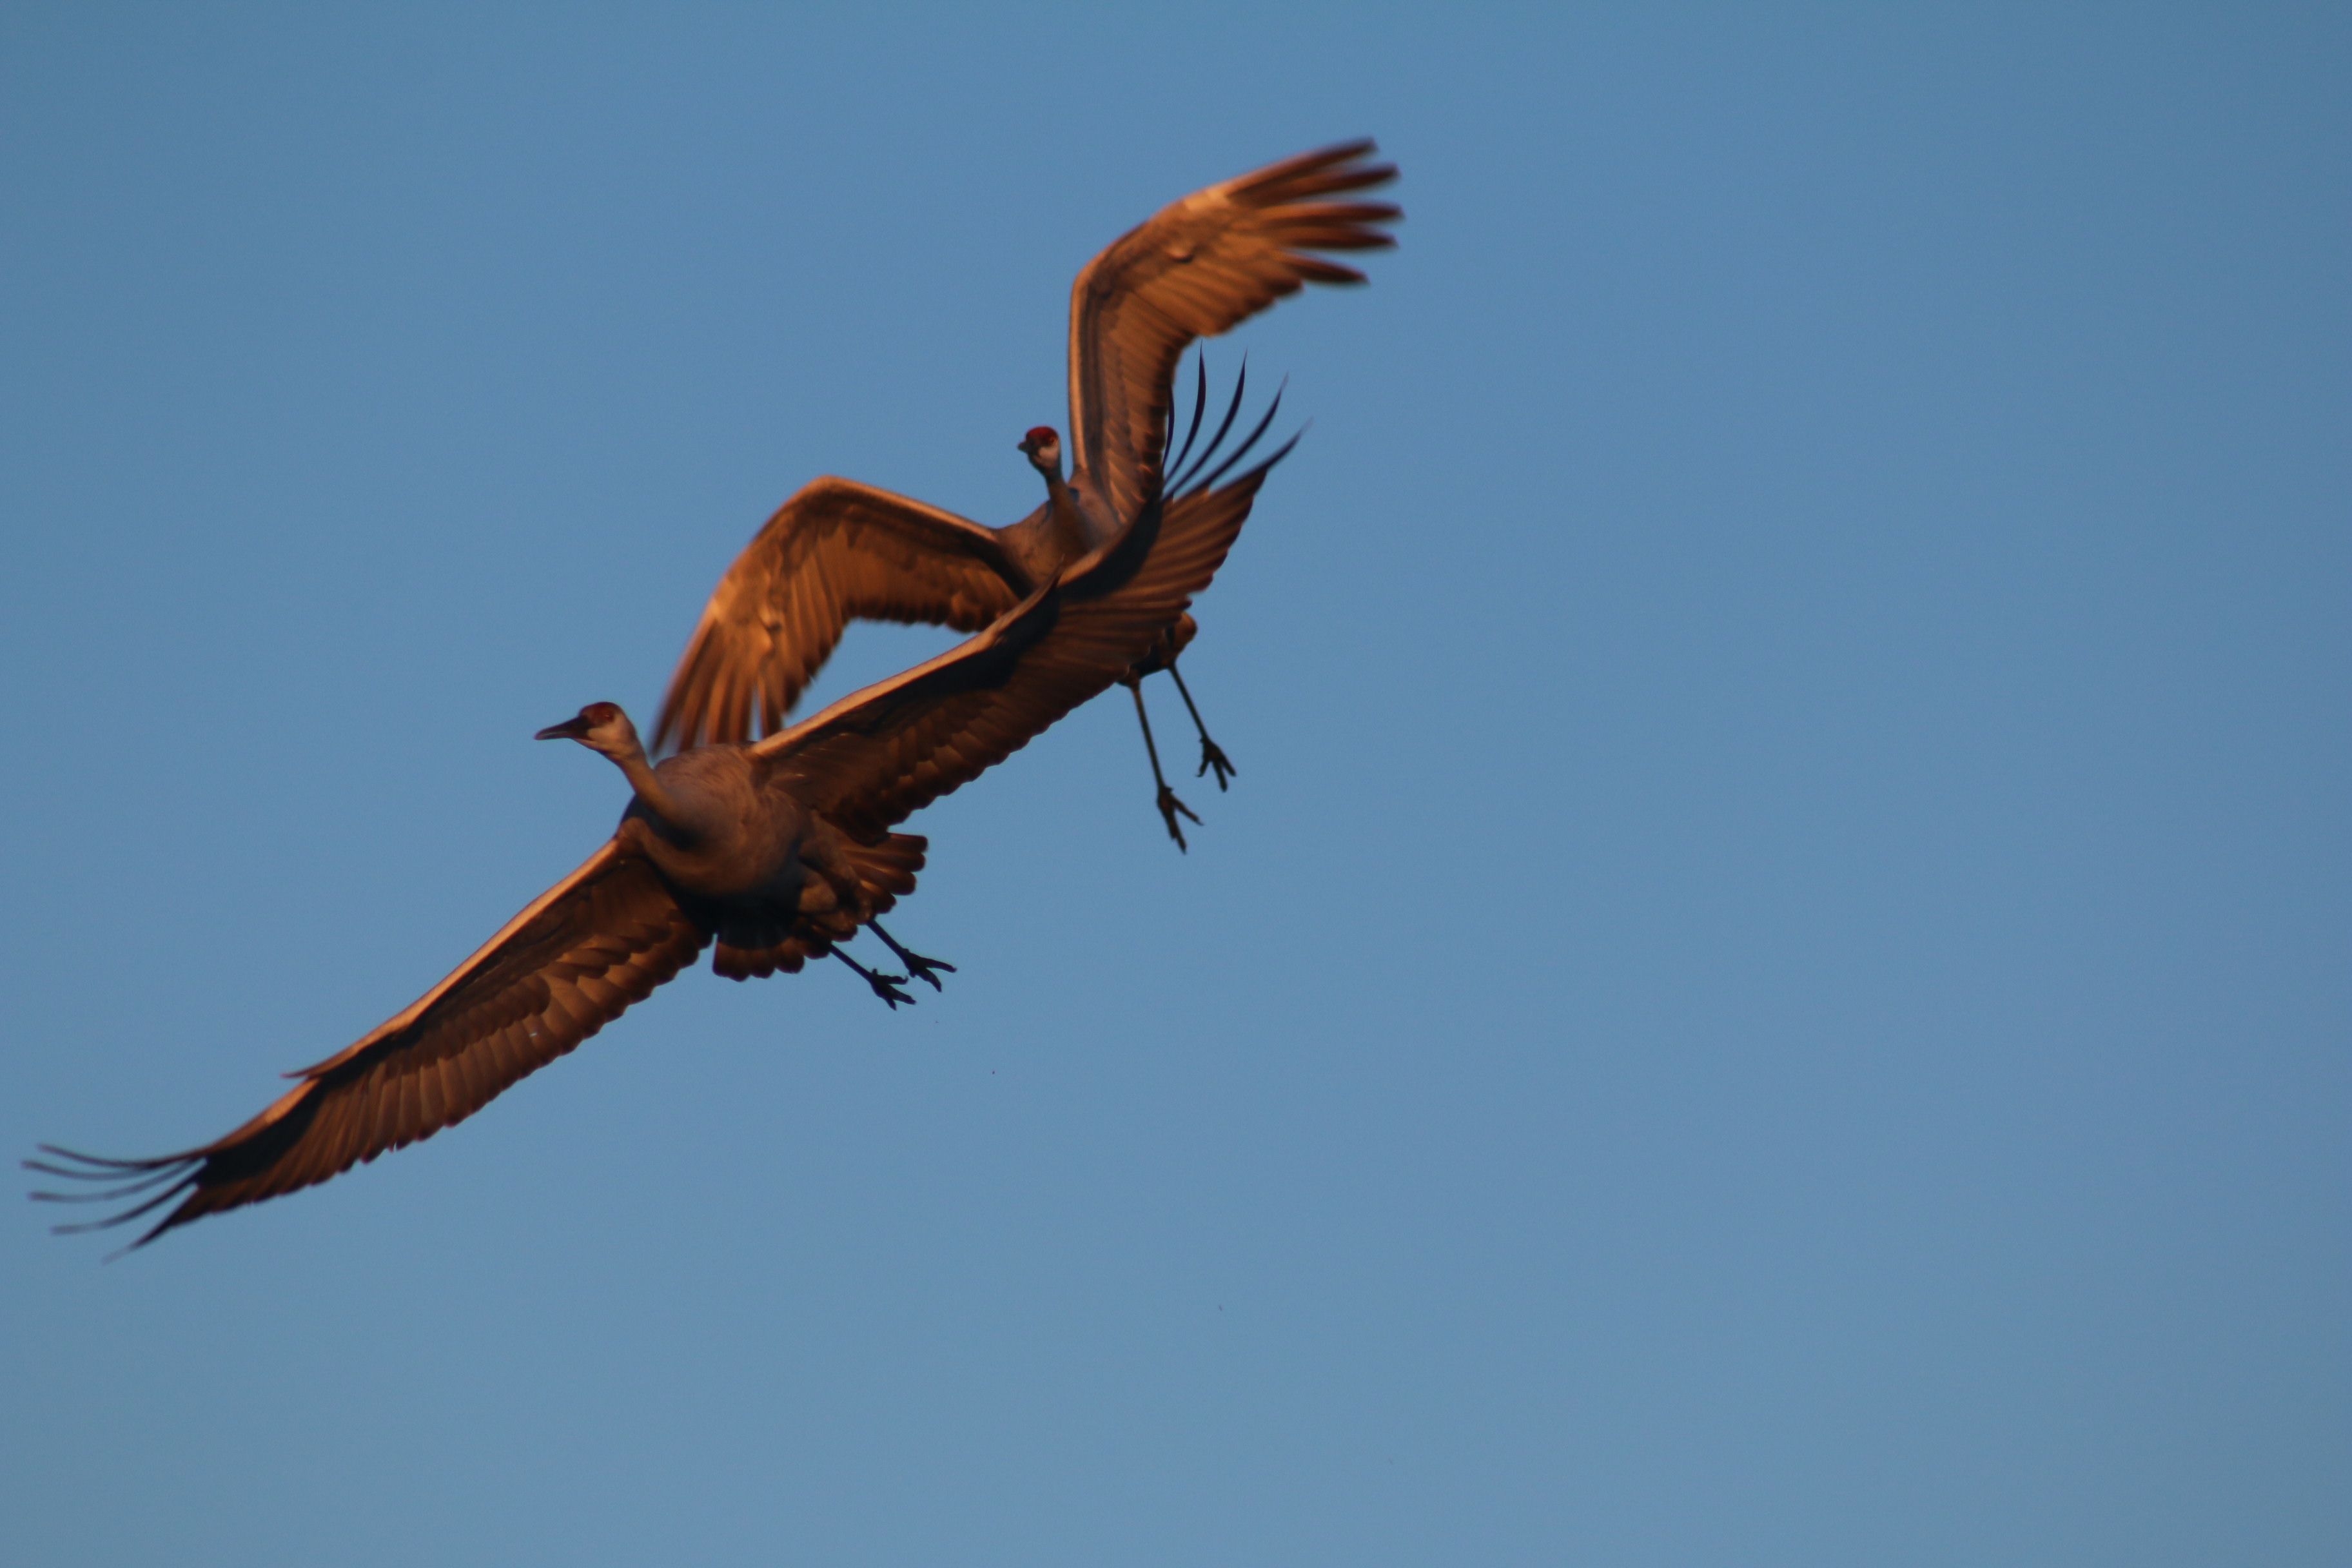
[{"x": 886, "y": 873}]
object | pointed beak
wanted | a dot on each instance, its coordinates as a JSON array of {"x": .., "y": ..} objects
[{"x": 571, "y": 728}]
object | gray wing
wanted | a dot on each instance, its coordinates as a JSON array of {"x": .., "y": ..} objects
[
  {"x": 567, "y": 965},
  {"x": 1197, "y": 268},
  {"x": 837, "y": 551}
]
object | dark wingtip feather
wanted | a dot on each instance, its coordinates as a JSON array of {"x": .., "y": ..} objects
[
  {"x": 1210, "y": 479},
  {"x": 1200, "y": 403},
  {"x": 176, "y": 1174},
  {"x": 127, "y": 1215},
  {"x": 1323, "y": 158},
  {"x": 97, "y": 1166},
  {"x": 1315, "y": 270},
  {"x": 108, "y": 1195},
  {"x": 1336, "y": 172},
  {"x": 1240, "y": 385}
]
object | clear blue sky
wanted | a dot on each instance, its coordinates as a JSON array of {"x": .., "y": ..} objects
[{"x": 1773, "y": 987}]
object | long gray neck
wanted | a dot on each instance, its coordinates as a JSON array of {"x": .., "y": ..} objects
[
  {"x": 663, "y": 805},
  {"x": 1067, "y": 519}
]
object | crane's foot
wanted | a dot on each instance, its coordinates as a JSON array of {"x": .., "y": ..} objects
[
  {"x": 926, "y": 970},
  {"x": 1170, "y": 810},
  {"x": 1213, "y": 756},
  {"x": 886, "y": 986}
]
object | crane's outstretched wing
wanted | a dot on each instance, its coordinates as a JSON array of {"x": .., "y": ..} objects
[
  {"x": 835, "y": 553},
  {"x": 1197, "y": 268},
  {"x": 584, "y": 951},
  {"x": 877, "y": 755}
]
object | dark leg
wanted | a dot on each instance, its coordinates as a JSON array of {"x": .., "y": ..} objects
[
  {"x": 1169, "y": 805},
  {"x": 1212, "y": 754},
  {"x": 918, "y": 967},
  {"x": 885, "y": 985}
]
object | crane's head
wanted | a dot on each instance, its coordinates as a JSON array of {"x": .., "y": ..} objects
[
  {"x": 1045, "y": 449},
  {"x": 600, "y": 727}
]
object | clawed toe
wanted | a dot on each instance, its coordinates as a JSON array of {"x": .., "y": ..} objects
[
  {"x": 926, "y": 970},
  {"x": 1213, "y": 756},
  {"x": 1170, "y": 807},
  {"x": 887, "y": 986}
]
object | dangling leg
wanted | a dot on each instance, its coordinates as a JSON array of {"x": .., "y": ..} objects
[
  {"x": 1212, "y": 754},
  {"x": 885, "y": 985},
  {"x": 1169, "y": 805},
  {"x": 918, "y": 967}
]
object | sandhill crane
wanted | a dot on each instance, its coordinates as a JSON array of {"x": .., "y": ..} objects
[
  {"x": 774, "y": 851},
  {"x": 839, "y": 551}
]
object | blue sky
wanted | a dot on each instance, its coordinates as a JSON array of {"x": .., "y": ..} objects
[{"x": 1771, "y": 988}]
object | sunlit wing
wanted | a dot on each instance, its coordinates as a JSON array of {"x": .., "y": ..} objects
[
  {"x": 877, "y": 755},
  {"x": 1198, "y": 267},
  {"x": 835, "y": 553},
  {"x": 570, "y": 963}
]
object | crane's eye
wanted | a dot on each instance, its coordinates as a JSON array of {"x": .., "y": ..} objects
[{"x": 1042, "y": 436}]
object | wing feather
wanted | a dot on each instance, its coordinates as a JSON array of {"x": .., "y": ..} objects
[
  {"x": 1197, "y": 268},
  {"x": 567, "y": 965},
  {"x": 836, "y": 551}
]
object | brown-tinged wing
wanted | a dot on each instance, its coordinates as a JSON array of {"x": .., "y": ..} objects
[
  {"x": 1196, "y": 268},
  {"x": 835, "y": 553},
  {"x": 584, "y": 951},
  {"x": 877, "y": 755}
]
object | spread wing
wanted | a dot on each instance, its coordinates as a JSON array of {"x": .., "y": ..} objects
[
  {"x": 877, "y": 755},
  {"x": 1196, "y": 268},
  {"x": 835, "y": 553},
  {"x": 588, "y": 947}
]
